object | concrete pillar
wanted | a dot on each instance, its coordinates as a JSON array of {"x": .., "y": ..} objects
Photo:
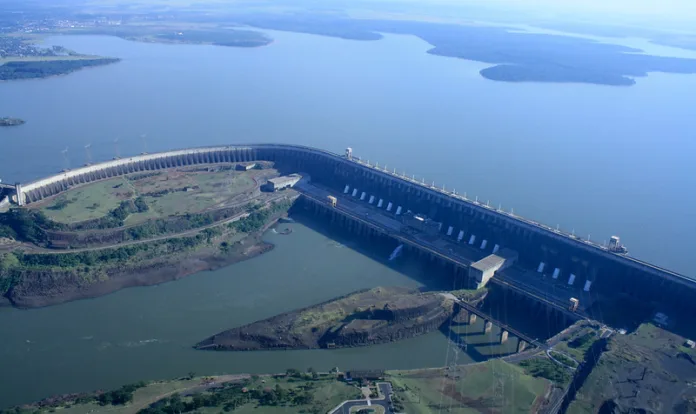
[
  {"x": 472, "y": 318},
  {"x": 503, "y": 336},
  {"x": 521, "y": 345},
  {"x": 20, "y": 194},
  {"x": 487, "y": 326}
]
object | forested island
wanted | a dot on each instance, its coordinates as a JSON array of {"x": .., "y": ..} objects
[
  {"x": 11, "y": 121},
  {"x": 42, "y": 69}
]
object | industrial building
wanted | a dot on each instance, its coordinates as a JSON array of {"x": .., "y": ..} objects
[
  {"x": 282, "y": 182},
  {"x": 483, "y": 270},
  {"x": 421, "y": 223}
]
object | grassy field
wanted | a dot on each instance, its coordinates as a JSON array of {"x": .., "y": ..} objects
[
  {"x": 491, "y": 387},
  {"x": 166, "y": 194},
  {"x": 89, "y": 202},
  {"x": 649, "y": 369}
]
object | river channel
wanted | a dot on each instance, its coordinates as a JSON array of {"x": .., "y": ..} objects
[{"x": 147, "y": 332}]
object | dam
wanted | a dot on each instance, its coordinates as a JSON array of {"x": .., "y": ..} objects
[{"x": 467, "y": 230}]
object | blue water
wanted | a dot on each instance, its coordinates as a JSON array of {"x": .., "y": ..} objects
[
  {"x": 600, "y": 160},
  {"x": 597, "y": 159}
]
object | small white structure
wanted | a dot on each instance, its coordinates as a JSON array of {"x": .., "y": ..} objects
[
  {"x": 286, "y": 181},
  {"x": 496, "y": 248},
  {"x": 588, "y": 283},
  {"x": 483, "y": 244},
  {"x": 389, "y": 206},
  {"x": 460, "y": 236},
  {"x": 398, "y": 210},
  {"x": 540, "y": 269},
  {"x": 483, "y": 270},
  {"x": 379, "y": 204},
  {"x": 349, "y": 153},
  {"x": 355, "y": 192},
  {"x": 345, "y": 190},
  {"x": 372, "y": 199},
  {"x": 450, "y": 229},
  {"x": 571, "y": 279},
  {"x": 472, "y": 239},
  {"x": 556, "y": 273},
  {"x": 362, "y": 196}
]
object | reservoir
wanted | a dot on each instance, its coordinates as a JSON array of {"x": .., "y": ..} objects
[{"x": 600, "y": 160}]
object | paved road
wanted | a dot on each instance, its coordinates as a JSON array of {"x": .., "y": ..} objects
[
  {"x": 453, "y": 252},
  {"x": 385, "y": 402}
]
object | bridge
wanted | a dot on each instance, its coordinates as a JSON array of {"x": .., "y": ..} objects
[
  {"x": 537, "y": 243},
  {"x": 488, "y": 321}
]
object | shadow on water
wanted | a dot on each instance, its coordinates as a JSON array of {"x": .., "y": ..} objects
[{"x": 432, "y": 277}]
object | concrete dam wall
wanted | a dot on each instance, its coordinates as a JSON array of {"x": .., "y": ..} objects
[{"x": 466, "y": 220}]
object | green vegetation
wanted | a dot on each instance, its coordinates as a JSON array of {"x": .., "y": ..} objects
[
  {"x": 492, "y": 386},
  {"x": 563, "y": 359},
  {"x": 545, "y": 368},
  {"x": 43, "y": 69},
  {"x": 89, "y": 202},
  {"x": 578, "y": 344},
  {"x": 25, "y": 223},
  {"x": 120, "y": 396},
  {"x": 279, "y": 394}
]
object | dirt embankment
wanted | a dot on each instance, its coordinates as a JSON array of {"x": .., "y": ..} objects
[
  {"x": 364, "y": 318},
  {"x": 39, "y": 288}
]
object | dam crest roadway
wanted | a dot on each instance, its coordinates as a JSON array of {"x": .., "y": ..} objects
[{"x": 468, "y": 231}]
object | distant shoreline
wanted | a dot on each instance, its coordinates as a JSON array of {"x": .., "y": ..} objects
[{"x": 6, "y": 122}]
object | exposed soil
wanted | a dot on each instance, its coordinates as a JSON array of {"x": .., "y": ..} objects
[{"x": 363, "y": 318}]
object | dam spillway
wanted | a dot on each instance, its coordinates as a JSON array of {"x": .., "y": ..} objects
[{"x": 569, "y": 257}]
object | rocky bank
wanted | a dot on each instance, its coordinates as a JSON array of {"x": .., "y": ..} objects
[{"x": 367, "y": 317}]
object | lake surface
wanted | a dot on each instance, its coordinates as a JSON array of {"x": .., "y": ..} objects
[
  {"x": 597, "y": 159},
  {"x": 601, "y": 160}
]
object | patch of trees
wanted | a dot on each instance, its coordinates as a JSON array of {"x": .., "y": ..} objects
[
  {"x": 162, "y": 193},
  {"x": 120, "y": 396},
  {"x": 257, "y": 219},
  {"x": 545, "y": 368},
  {"x": 25, "y": 225},
  {"x": 187, "y": 222},
  {"x": 583, "y": 341},
  {"x": 60, "y": 204},
  {"x": 42, "y": 69},
  {"x": 115, "y": 255},
  {"x": 136, "y": 177},
  {"x": 115, "y": 218}
]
